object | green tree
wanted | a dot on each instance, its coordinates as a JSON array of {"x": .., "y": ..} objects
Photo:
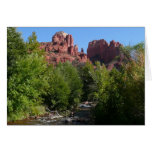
[
  {"x": 86, "y": 73},
  {"x": 134, "y": 77},
  {"x": 109, "y": 109},
  {"x": 65, "y": 87},
  {"x": 15, "y": 48},
  {"x": 26, "y": 85},
  {"x": 120, "y": 94},
  {"x": 58, "y": 91},
  {"x": 71, "y": 76},
  {"x": 32, "y": 43}
]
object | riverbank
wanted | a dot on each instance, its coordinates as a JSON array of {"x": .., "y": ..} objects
[{"x": 82, "y": 116}]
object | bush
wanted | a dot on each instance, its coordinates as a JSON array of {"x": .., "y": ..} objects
[
  {"x": 120, "y": 94},
  {"x": 27, "y": 79},
  {"x": 26, "y": 85},
  {"x": 16, "y": 48},
  {"x": 65, "y": 87},
  {"x": 58, "y": 91},
  {"x": 71, "y": 76},
  {"x": 86, "y": 72}
]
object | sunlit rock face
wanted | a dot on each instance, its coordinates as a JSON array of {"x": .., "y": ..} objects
[
  {"x": 100, "y": 50},
  {"x": 62, "y": 49}
]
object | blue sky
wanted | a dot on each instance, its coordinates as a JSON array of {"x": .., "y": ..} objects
[{"x": 83, "y": 35}]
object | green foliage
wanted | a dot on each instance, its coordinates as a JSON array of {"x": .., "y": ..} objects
[
  {"x": 58, "y": 91},
  {"x": 26, "y": 85},
  {"x": 86, "y": 76},
  {"x": 32, "y": 43},
  {"x": 65, "y": 87},
  {"x": 109, "y": 94},
  {"x": 71, "y": 76},
  {"x": 120, "y": 94},
  {"x": 134, "y": 77},
  {"x": 15, "y": 43},
  {"x": 27, "y": 82},
  {"x": 15, "y": 47},
  {"x": 32, "y": 84}
]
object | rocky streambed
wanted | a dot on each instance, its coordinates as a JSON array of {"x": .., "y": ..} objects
[{"x": 82, "y": 116}]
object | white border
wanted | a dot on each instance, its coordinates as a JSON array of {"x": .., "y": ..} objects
[{"x": 74, "y": 138}]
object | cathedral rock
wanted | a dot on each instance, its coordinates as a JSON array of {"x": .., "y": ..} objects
[
  {"x": 100, "y": 50},
  {"x": 62, "y": 49}
]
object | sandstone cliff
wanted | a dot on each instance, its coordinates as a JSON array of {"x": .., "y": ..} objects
[
  {"x": 100, "y": 50},
  {"x": 62, "y": 49}
]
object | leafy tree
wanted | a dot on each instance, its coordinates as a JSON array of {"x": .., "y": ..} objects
[
  {"x": 32, "y": 43},
  {"x": 65, "y": 87},
  {"x": 86, "y": 72},
  {"x": 71, "y": 76},
  {"x": 15, "y": 48},
  {"x": 109, "y": 108},
  {"x": 26, "y": 85},
  {"x": 58, "y": 91},
  {"x": 134, "y": 91},
  {"x": 120, "y": 93}
]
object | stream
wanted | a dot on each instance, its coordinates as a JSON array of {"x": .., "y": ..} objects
[{"x": 81, "y": 117}]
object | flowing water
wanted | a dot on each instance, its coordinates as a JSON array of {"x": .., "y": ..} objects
[{"x": 81, "y": 117}]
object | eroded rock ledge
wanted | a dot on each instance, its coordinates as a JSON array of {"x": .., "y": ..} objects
[
  {"x": 102, "y": 51},
  {"x": 62, "y": 49}
]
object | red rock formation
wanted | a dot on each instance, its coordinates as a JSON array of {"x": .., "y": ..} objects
[
  {"x": 69, "y": 40},
  {"x": 82, "y": 50},
  {"x": 62, "y": 49},
  {"x": 100, "y": 50}
]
